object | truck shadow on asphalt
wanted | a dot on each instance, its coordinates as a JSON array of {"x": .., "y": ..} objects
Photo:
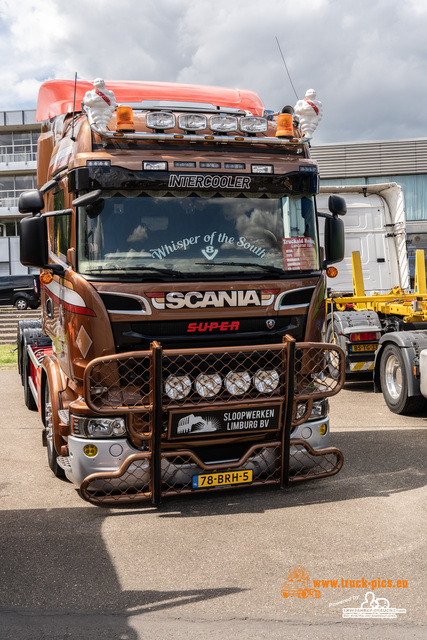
[
  {"x": 58, "y": 579},
  {"x": 376, "y": 464}
]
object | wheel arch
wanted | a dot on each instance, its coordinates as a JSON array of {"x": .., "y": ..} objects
[
  {"x": 51, "y": 376},
  {"x": 406, "y": 342}
]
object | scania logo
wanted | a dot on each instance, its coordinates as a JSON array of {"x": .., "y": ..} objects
[{"x": 270, "y": 323}]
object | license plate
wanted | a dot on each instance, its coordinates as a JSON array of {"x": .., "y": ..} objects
[
  {"x": 221, "y": 479},
  {"x": 363, "y": 347}
]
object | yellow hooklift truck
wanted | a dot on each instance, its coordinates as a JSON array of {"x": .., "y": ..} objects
[{"x": 385, "y": 334}]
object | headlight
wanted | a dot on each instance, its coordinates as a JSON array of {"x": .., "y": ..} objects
[
  {"x": 266, "y": 380},
  {"x": 237, "y": 382},
  {"x": 208, "y": 385},
  {"x": 178, "y": 387},
  {"x": 301, "y": 409},
  {"x": 253, "y": 124},
  {"x": 160, "y": 120},
  {"x": 98, "y": 427},
  {"x": 223, "y": 123},
  {"x": 320, "y": 409}
]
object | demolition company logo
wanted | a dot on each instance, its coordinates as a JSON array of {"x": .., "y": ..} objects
[{"x": 217, "y": 299}]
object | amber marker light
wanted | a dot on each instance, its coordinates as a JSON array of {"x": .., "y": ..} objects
[
  {"x": 125, "y": 119},
  {"x": 46, "y": 277},
  {"x": 285, "y": 126},
  {"x": 332, "y": 272},
  {"x": 323, "y": 429}
]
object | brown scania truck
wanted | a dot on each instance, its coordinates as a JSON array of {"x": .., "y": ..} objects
[{"x": 182, "y": 292}]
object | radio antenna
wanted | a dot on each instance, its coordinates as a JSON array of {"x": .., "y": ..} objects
[
  {"x": 286, "y": 67},
  {"x": 74, "y": 108}
]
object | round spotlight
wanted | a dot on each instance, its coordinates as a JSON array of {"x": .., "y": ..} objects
[
  {"x": 266, "y": 380},
  {"x": 208, "y": 385},
  {"x": 177, "y": 387},
  {"x": 237, "y": 382}
]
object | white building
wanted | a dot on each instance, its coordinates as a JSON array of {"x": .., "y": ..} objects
[{"x": 19, "y": 132}]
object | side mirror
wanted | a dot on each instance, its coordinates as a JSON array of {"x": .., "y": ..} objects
[
  {"x": 33, "y": 241},
  {"x": 337, "y": 205},
  {"x": 31, "y": 202},
  {"x": 92, "y": 202},
  {"x": 334, "y": 241}
]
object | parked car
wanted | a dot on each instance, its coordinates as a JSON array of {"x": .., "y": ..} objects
[{"x": 20, "y": 291}]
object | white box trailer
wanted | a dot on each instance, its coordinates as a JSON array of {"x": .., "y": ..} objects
[{"x": 375, "y": 226}]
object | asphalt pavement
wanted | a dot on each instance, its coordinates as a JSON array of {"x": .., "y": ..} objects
[{"x": 215, "y": 566}]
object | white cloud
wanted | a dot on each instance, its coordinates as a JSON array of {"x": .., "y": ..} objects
[{"x": 366, "y": 59}]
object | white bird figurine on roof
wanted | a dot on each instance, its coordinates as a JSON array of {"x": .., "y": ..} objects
[
  {"x": 310, "y": 112},
  {"x": 100, "y": 104}
]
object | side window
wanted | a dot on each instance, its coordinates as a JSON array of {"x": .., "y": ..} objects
[{"x": 61, "y": 228}]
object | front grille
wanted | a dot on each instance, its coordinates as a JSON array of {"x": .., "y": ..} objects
[{"x": 206, "y": 332}]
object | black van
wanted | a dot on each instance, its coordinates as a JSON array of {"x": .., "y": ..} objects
[{"x": 21, "y": 291}]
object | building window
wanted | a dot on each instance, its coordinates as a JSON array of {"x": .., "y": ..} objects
[
  {"x": 18, "y": 147},
  {"x": 11, "y": 188},
  {"x": 7, "y": 227}
]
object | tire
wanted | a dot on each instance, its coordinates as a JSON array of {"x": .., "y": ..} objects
[
  {"x": 332, "y": 338},
  {"x": 52, "y": 456},
  {"x": 21, "y": 304},
  {"x": 394, "y": 384}
]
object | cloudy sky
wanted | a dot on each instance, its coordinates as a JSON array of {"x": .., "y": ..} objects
[{"x": 365, "y": 58}]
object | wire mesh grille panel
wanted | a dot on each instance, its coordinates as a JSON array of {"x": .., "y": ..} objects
[
  {"x": 306, "y": 463},
  {"x": 219, "y": 375},
  {"x": 119, "y": 383},
  {"x": 130, "y": 483},
  {"x": 319, "y": 370}
]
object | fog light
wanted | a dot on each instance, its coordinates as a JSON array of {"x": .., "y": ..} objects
[
  {"x": 160, "y": 120},
  {"x": 192, "y": 122},
  {"x": 253, "y": 124},
  {"x": 266, "y": 380},
  {"x": 177, "y": 387},
  {"x": 223, "y": 123},
  {"x": 323, "y": 429},
  {"x": 208, "y": 385},
  {"x": 237, "y": 382},
  {"x": 90, "y": 450}
]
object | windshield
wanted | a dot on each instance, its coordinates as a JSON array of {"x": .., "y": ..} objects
[{"x": 185, "y": 236}]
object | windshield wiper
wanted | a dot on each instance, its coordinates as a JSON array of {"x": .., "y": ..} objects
[
  {"x": 115, "y": 267},
  {"x": 167, "y": 272},
  {"x": 265, "y": 267}
]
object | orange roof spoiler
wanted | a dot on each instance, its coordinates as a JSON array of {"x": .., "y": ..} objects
[{"x": 56, "y": 97}]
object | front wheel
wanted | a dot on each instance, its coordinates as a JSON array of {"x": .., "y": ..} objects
[
  {"x": 394, "y": 383},
  {"x": 21, "y": 304},
  {"x": 52, "y": 456}
]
